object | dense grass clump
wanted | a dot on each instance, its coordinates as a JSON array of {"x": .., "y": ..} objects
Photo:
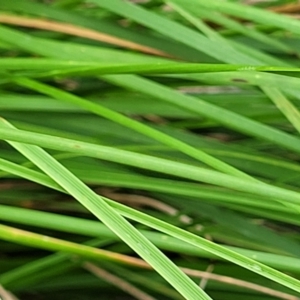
[{"x": 149, "y": 149}]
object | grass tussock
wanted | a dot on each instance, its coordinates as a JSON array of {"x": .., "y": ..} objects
[{"x": 149, "y": 149}]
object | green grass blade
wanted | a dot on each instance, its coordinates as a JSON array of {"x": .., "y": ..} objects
[
  {"x": 246, "y": 12},
  {"x": 152, "y": 184},
  {"x": 222, "y": 116},
  {"x": 21, "y": 273},
  {"x": 95, "y": 229},
  {"x": 151, "y": 163},
  {"x": 202, "y": 108},
  {"x": 173, "y": 30},
  {"x": 135, "y": 125},
  {"x": 284, "y": 105},
  {"x": 63, "y": 67},
  {"x": 68, "y": 50},
  {"x": 238, "y": 27},
  {"x": 113, "y": 220},
  {"x": 201, "y": 243},
  {"x": 46, "y": 242}
]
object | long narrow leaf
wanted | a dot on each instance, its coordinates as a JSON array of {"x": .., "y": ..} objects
[{"x": 111, "y": 219}]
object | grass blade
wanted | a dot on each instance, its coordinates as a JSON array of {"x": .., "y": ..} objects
[{"x": 111, "y": 219}]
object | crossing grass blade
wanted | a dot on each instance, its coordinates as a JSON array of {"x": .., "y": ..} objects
[
  {"x": 122, "y": 228},
  {"x": 225, "y": 117},
  {"x": 203, "y": 108},
  {"x": 246, "y": 12},
  {"x": 151, "y": 163},
  {"x": 96, "y": 229},
  {"x": 125, "y": 121},
  {"x": 173, "y": 29},
  {"x": 153, "y": 184},
  {"x": 46, "y": 242},
  {"x": 200, "y": 242}
]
